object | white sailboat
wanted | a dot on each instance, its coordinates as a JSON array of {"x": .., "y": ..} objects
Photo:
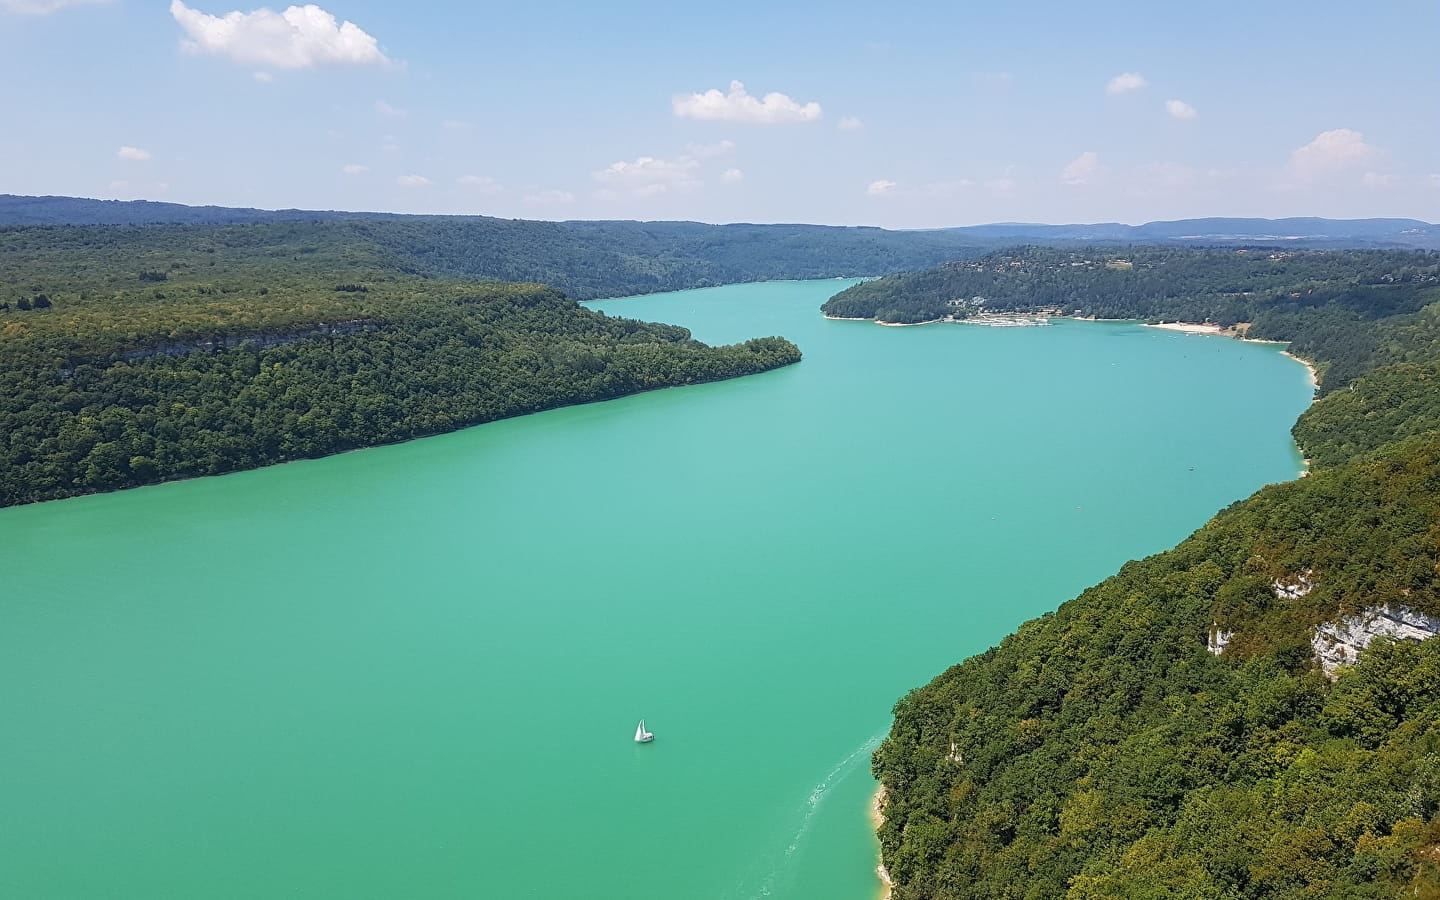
[{"x": 641, "y": 735}]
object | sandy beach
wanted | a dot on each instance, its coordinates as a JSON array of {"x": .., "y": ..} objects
[
  {"x": 877, "y": 818},
  {"x": 1188, "y": 327}
]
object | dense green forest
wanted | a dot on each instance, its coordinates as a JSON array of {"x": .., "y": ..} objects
[
  {"x": 130, "y": 356},
  {"x": 585, "y": 260},
  {"x": 1350, "y": 311},
  {"x": 1101, "y": 751}
]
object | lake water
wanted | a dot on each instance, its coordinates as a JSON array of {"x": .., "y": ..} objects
[{"x": 415, "y": 671}]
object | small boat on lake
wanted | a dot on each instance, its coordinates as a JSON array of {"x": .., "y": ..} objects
[{"x": 641, "y": 735}]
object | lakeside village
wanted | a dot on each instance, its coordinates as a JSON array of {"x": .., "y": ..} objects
[{"x": 973, "y": 312}]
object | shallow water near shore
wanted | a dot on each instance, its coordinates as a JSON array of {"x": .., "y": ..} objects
[{"x": 416, "y": 670}]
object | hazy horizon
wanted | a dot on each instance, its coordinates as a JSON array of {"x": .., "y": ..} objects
[{"x": 929, "y": 116}]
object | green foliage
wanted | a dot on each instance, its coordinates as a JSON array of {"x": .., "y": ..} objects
[
  {"x": 1102, "y": 752},
  {"x": 276, "y": 342},
  {"x": 1348, "y": 310}
]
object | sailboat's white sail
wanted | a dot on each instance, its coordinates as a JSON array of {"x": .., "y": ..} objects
[{"x": 641, "y": 735}]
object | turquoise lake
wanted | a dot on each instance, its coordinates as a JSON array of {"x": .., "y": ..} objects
[{"x": 415, "y": 671}]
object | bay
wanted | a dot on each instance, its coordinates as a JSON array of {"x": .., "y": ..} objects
[{"x": 416, "y": 670}]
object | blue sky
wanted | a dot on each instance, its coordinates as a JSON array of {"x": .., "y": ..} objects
[{"x": 902, "y": 115}]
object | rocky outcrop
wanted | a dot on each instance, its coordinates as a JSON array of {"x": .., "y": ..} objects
[
  {"x": 1217, "y": 640},
  {"x": 1339, "y": 643}
]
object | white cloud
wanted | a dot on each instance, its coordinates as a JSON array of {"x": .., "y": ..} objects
[
  {"x": 133, "y": 154},
  {"x": 354, "y": 169},
  {"x": 550, "y": 197},
  {"x": 732, "y": 175},
  {"x": 263, "y": 77},
  {"x": 389, "y": 144},
  {"x": 879, "y": 188},
  {"x": 298, "y": 38},
  {"x": 482, "y": 183},
  {"x": 393, "y": 112},
  {"x": 739, "y": 106},
  {"x": 42, "y": 7},
  {"x": 1330, "y": 152},
  {"x": 1179, "y": 109},
  {"x": 413, "y": 181},
  {"x": 1125, "y": 81},
  {"x": 851, "y": 123},
  {"x": 648, "y": 169},
  {"x": 1082, "y": 169}
]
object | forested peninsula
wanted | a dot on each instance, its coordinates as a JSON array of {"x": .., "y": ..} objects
[
  {"x": 1251, "y": 714},
  {"x": 130, "y": 356}
]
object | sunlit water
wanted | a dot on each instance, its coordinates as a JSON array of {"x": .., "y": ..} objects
[{"x": 416, "y": 671}]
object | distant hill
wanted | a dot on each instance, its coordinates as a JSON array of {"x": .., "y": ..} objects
[{"x": 1309, "y": 232}]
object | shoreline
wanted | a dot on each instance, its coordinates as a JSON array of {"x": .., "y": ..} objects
[
  {"x": 877, "y": 818},
  {"x": 1238, "y": 333}
]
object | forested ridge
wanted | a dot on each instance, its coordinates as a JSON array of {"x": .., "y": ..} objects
[
  {"x": 135, "y": 355},
  {"x": 1102, "y": 751}
]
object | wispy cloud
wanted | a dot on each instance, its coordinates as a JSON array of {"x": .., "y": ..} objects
[
  {"x": 413, "y": 181},
  {"x": 738, "y": 105},
  {"x": 391, "y": 112},
  {"x": 1125, "y": 82},
  {"x": 851, "y": 123},
  {"x": 1330, "y": 152},
  {"x": 550, "y": 197},
  {"x": 133, "y": 154},
  {"x": 732, "y": 175},
  {"x": 880, "y": 188},
  {"x": 482, "y": 183},
  {"x": 1082, "y": 169},
  {"x": 42, "y": 7},
  {"x": 1179, "y": 109},
  {"x": 354, "y": 169},
  {"x": 301, "y": 37}
]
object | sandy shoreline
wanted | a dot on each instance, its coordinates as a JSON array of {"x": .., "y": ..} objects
[
  {"x": 1238, "y": 334},
  {"x": 1187, "y": 327},
  {"x": 877, "y": 818}
]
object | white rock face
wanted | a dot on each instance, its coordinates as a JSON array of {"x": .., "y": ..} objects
[
  {"x": 1219, "y": 637},
  {"x": 1339, "y": 643},
  {"x": 1295, "y": 587}
]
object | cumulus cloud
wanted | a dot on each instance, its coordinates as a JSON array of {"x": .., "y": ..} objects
[
  {"x": 413, "y": 181},
  {"x": 298, "y": 38},
  {"x": 740, "y": 106},
  {"x": 732, "y": 175},
  {"x": 1331, "y": 152},
  {"x": 354, "y": 169},
  {"x": 1082, "y": 169},
  {"x": 41, "y": 7},
  {"x": 482, "y": 183},
  {"x": 1179, "y": 109},
  {"x": 880, "y": 188},
  {"x": 133, "y": 154},
  {"x": 851, "y": 123},
  {"x": 648, "y": 169},
  {"x": 1125, "y": 82}
]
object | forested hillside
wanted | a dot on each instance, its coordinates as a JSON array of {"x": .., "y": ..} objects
[
  {"x": 1349, "y": 311},
  {"x": 130, "y": 356},
  {"x": 1102, "y": 751},
  {"x": 585, "y": 260}
]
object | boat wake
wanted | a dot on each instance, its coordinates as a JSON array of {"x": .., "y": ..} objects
[{"x": 812, "y": 804}]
